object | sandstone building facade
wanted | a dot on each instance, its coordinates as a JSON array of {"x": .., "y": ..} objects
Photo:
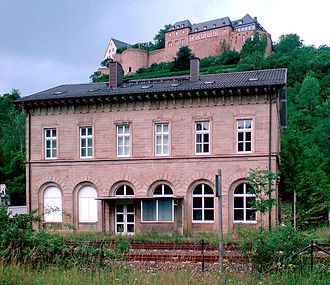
[
  {"x": 204, "y": 39},
  {"x": 135, "y": 156}
]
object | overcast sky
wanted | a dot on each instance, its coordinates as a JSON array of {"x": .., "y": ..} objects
[{"x": 45, "y": 43}]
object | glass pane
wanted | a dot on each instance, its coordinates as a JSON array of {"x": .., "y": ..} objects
[
  {"x": 130, "y": 208},
  {"x": 83, "y": 152},
  {"x": 250, "y": 201},
  {"x": 198, "y": 148},
  {"x": 239, "y": 189},
  {"x": 206, "y": 138},
  {"x": 197, "y": 202},
  {"x": 90, "y": 152},
  {"x": 120, "y": 150},
  {"x": 130, "y": 218},
  {"x": 238, "y": 215},
  {"x": 120, "y": 228},
  {"x": 167, "y": 190},
  {"x": 119, "y": 208},
  {"x": 158, "y": 140},
  {"x": 126, "y": 129},
  {"x": 209, "y": 215},
  {"x": 165, "y": 139},
  {"x": 248, "y": 146},
  {"x": 208, "y": 190},
  {"x": 120, "y": 218},
  {"x": 248, "y": 136},
  {"x": 127, "y": 140},
  {"x": 209, "y": 202},
  {"x": 197, "y": 215},
  {"x": 130, "y": 192},
  {"x": 199, "y": 138},
  {"x": 54, "y": 132},
  {"x": 48, "y": 144},
  {"x": 240, "y": 136},
  {"x": 206, "y": 148},
  {"x": 158, "y": 190},
  {"x": 126, "y": 150},
  {"x": 240, "y": 147},
  {"x": 120, "y": 191},
  {"x": 158, "y": 128},
  {"x": 248, "y": 124},
  {"x": 165, "y": 210},
  {"x": 53, "y": 143},
  {"x": 238, "y": 202},
  {"x": 90, "y": 131},
  {"x": 83, "y": 143},
  {"x": 130, "y": 228},
  {"x": 165, "y": 149},
  {"x": 149, "y": 210},
  {"x": 198, "y": 190},
  {"x": 48, "y": 153},
  {"x": 90, "y": 142},
  {"x": 83, "y": 131},
  {"x": 250, "y": 215},
  {"x": 158, "y": 149},
  {"x": 54, "y": 153},
  {"x": 120, "y": 129},
  {"x": 198, "y": 126},
  {"x": 165, "y": 128},
  {"x": 48, "y": 133},
  {"x": 248, "y": 188},
  {"x": 240, "y": 124},
  {"x": 205, "y": 126}
]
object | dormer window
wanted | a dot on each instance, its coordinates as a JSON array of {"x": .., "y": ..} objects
[
  {"x": 178, "y": 26},
  {"x": 196, "y": 29},
  {"x": 182, "y": 25},
  {"x": 214, "y": 25},
  {"x": 205, "y": 28}
]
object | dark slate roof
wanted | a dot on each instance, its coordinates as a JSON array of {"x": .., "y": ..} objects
[
  {"x": 119, "y": 44},
  {"x": 221, "y": 22},
  {"x": 178, "y": 25},
  {"x": 258, "y": 78},
  {"x": 245, "y": 21}
]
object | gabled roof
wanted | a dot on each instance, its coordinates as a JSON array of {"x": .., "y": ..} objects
[
  {"x": 181, "y": 25},
  {"x": 119, "y": 44},
  {"x": 221, "y": 22},
  {"x": 245, "y": 21},
  {"x": 237, "y": 80}
]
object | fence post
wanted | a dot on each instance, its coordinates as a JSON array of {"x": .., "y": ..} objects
[
  {"x": 312, "y": 255},
  {"x": 203, "y": 244}
]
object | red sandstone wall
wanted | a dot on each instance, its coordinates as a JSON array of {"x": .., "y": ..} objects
[{"x": 132, "y": 60}]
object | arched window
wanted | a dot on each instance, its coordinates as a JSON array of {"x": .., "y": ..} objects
[
  {"x": 52, "y": 205},
  {"x": 160, "y": 209},
  {"x": 124, "y": 190},
  {"x": 243, "y": 201},
  {"x": 87, "y": 204},
  {"x": 203, "y": 203}
]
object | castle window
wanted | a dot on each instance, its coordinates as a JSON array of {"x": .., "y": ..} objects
[
  {"x": 243, "y": 201},
  {"x": 176, "y": 33},
  {"x": 124, "y": 190},
  {"x": 203, "y": 203},
  {"x": 178, "y": 26},
  {"x": 129, "y": 69},
  {"x": 123, "y": 140},
  {"x": 87, "y": 205},
  {"x": 176, "y": 42},
  {"x": 52, "y": 205},
  {"x": 183, "y": 42},
  {"x": 170, "y": 34},
  {"x": 243, "y": 38},
  {"x": 162, "y": 139},
  {"x": 160, "y": 209},
  {"x": 86, "y": 142},
  {"x": 202, "y": 137},
  {"x": 50, "y": 144},
  {"x": 170, "y": 44},
  {"x": 214, "y": 25},
  {"x": 196, "y": 29},
  {"x": 244, "y": 135},
  {"x": 205, "y": 28},
  {"x": 182, "y": 25}
]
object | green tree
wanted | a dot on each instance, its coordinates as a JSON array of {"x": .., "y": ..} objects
[
  {"x": 159, "y": 38},
  {"x": 182, "y": 61}
]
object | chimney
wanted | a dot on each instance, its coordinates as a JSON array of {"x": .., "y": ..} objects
[
  {"x": 194, "y": 69},
  {"x": 115, "y": 74},
  {"x": 256, "y": 19}
]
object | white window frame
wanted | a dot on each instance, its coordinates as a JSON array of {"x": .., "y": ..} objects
[
  {"x": 245, "y": 208},
  {"x": 203, "y": 196},
  {"x": 86, "y": 139},
  {"x": 91, "y": 202},
  {"x": 244, "y": 130},
  {"x": 157, "y": 207},
  {"x": 50, "y": 139},
  {"x": 123, "y": 136},
  {"x": 162, "y": 134},
  {"x": 202, "y": 132}
]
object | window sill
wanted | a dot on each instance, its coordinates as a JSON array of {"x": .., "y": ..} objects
[
  {"x": 158, "y": 222},
  {"x": 203, "y": 222}
]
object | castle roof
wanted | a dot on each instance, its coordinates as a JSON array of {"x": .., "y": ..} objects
[
  {"x": 245, "y": 21},
  {"x": 182, "y": 24},
  {"x": 119, "y": 44},
  {"x": 271, "y": 78},
  {"x": 221, "y": 22}
]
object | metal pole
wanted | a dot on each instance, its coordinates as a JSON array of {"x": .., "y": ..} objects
[
  {"x": 294, "y": 210},
  {"x": 219, "y": 195}
]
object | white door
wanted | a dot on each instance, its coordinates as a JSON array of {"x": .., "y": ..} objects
[{"x": 125, "y": 219}]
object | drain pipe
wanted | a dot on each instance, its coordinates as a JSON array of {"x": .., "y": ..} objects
[
  {"x": 270, "y": 160},
  {"x": 29, "y": 161}
]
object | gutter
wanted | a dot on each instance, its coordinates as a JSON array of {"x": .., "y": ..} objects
[{"x": 29, "y": 163}]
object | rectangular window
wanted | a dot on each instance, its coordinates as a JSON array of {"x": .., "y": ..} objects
[
  {"x": 86, "y": 142},
  {"x": 50, "y": 144},
  {"x": 123, "y": 140},
  {"x": 244, "y": 135},
  {"x": 159, "y": 210},
  {"x": 202, "y": 137},
  {"x": 161, "y": 139}
]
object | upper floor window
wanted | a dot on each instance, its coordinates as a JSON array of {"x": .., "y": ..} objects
[
  {"x": 202, "y": 137},
  {"x": 50, "y": 144},
  {"x": 243, "y": 202},
  {"x": 123, "y": 140},
  {"x": 161, "y": 139},
  {"x": 244, "y": 135},
  {"x": 203, "y": 203},
  {"x": 86, "y": 142},
  {"x": 160, "y": 209}
]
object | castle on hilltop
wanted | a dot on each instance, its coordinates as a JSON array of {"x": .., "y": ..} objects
[{"x": 204, "y": 39}]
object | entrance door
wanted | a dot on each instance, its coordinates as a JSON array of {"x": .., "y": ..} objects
[{"x": 125, "y": 219}]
